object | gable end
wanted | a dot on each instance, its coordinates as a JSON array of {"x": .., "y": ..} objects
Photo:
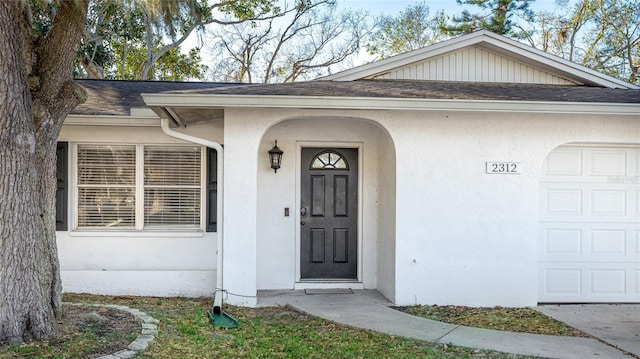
[{"x": 474, "y": 64}]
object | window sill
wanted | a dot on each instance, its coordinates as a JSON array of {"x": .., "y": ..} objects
[{"x": 145, "y": 233}]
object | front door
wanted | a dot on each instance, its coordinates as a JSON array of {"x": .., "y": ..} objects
[{"x": 329, "y": 213}]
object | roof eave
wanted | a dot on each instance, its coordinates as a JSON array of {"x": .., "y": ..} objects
[{"x": 159, "y": 101}]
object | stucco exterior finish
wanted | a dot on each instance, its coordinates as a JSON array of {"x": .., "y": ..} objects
[
  {"x": 157, "y": 263},
  {"x": 434, "y": 227},
  {"x": 278, "y": 238},
  {"x": 461, "y": 236}
]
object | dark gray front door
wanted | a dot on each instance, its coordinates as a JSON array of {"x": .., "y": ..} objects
[{"x": 329, "y": 213}]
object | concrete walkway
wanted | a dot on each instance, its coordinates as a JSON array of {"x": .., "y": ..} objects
[
  {"x": 368, "y": 309},
  {"x": 615, "y": 324}
]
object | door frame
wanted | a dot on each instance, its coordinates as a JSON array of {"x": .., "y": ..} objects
[{"x": 329, "y": 283}]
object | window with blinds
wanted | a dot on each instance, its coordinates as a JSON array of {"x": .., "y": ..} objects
[
  {"x": 106, "y": 186},
  {"x": 138, "y": 187},
  {"x": 172, "y": 189}
]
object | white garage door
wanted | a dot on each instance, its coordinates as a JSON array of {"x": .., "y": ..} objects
[{"x": 589, "y": 246}]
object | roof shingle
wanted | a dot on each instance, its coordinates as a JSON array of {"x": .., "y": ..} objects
[{"x": 110, "y": 97}]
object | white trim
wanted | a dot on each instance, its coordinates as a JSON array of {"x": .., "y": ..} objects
[
  {"x": 299, "y": 282},
  {"x": 506, "y": 45},
  {"x": 409, "y": 104},
  {"x": 172, "y": 233},
  {"x": 602, "y": 144},
  {"x": 112, "y": 120},
  {"x": 140, "y": 199}
]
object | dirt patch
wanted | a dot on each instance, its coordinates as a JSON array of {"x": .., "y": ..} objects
[{"x": 87, "y": 332}]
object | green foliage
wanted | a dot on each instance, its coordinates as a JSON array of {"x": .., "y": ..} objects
[
  {"x": 249, "y": 9},
  {"x": 132, "y": 39},
  {"x": 496, "y": 16},
  {"x": 118, "y": 34},
  {"x": 601, "y": 34},
  {"x": 412, "y": 29},
  {"x": 171, "y": 66}
]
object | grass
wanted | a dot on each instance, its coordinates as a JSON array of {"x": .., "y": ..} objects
[
  {"x": 523, "y": 320},
  {"x": 185, "y": 332}
]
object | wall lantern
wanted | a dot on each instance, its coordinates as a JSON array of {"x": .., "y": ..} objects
[{"x": 275, "y": 157}]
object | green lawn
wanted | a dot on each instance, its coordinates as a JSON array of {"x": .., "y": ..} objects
[{"x": 185, "y": 332}]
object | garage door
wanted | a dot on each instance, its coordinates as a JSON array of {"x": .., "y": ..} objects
[{"x": 589, "y": 247}]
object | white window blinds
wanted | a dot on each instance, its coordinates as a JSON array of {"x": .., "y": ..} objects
[
  {"x": 172, "y": 186},
  {"x": 106, "y": 186},
  {"x": 138, "y": 187}
]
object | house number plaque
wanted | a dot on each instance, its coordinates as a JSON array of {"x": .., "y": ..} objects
[{"x": 502, "y": 168}]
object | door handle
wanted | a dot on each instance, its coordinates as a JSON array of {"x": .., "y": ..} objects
[{"x": 303, "y": 223}]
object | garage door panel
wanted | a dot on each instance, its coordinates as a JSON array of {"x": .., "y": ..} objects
[
  {"x": 609, "y": 163},
  {"x": 607, "y": 281},
  {"x": 566, "y": 162},
  {"x": 589, "y": 283},
  {"x": 562, "y": 281},
  {"x": 563, "y": 202},
  {"x": 590, "y": 225},
  {"x": 608, "y": 203},
  {"x": 589, "y": 242},
  {"x": 563, "y": 242},
  {"x": 584, "y": 202},
  {"x": 607, "y": 242}
]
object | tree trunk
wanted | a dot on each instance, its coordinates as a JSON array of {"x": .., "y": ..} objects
[{"x": 36, "y": 94}]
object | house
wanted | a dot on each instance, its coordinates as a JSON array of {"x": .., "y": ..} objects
[{"x": 478, "y": 171}]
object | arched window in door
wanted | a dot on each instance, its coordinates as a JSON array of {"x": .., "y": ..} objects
[{"x": 329, "y": 160}]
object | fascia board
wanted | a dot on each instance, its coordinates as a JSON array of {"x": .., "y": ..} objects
[
  {"x": 112, "y": 120},
  {"x": 368, "y": 103}
]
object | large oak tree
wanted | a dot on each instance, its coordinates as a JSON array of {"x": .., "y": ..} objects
[
  {"x": 36, "y": 94},
  {"x": 39, "y": 41}
]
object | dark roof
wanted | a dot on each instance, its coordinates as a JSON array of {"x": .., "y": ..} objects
[
  {"x": 112, "y": 97},
  {"x": 433, "y": 90}
]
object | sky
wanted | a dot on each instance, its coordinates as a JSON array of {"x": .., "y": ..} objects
[{"x": 393, "y": 7}]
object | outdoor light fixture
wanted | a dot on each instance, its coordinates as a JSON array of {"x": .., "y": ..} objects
[{"x": 275, "y": 157}]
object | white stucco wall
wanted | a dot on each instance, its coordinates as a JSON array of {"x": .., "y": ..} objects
[
  {"x": 461, "y": 236},
  {"x": 466, "y": 237},
  {"x": 166, "y": 263},
  {"x": 278, "y": 236},
  {"x": 386, "y": 262},
  {"x": 436, "y": 229}
]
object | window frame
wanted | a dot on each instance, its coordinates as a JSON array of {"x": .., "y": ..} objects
[{"x": 139, "y": 191}]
